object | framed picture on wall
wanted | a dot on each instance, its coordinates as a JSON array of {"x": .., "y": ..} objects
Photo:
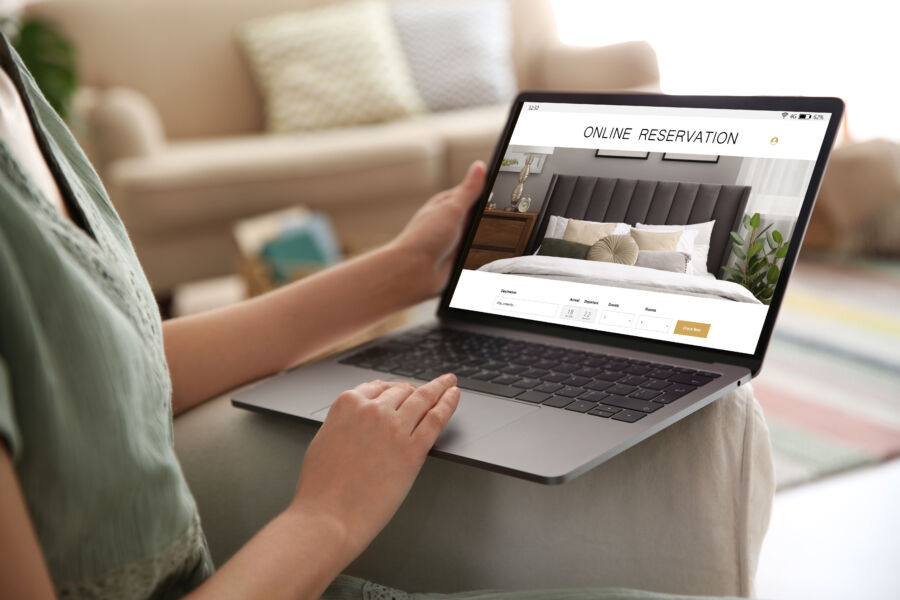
[
  {"x": 701, "y": 158},
  {"x": 515, "y": 161},
  {"x": 622, "y": 154}
]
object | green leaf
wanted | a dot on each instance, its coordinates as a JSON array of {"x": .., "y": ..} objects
[
  {"x": 755, "y": 264},
  {"x": 740, "y": 253},
  {"x": 777, "y": 235},
  {"x": 772, "y": 274},
  {"x": 51, "y": 59},
  {"x": 767, "y": 293},
  {"x": 781, "y": 252},
  {"x": 770, "y": 241},
  {"x": 737, "y": 239},
  {"x": 765, "y": 229},
  {"x": 755, "y": 248},
  {"x": 733, "y": 272},
  {"x": 754, "y": 220}
]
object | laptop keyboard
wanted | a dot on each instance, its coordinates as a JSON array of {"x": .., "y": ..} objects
[{"x": 593, "y": 383}]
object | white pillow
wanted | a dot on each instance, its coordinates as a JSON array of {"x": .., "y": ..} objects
[
  {"x": 700, "y": 251},
  {"x": 556, "y": 227}
]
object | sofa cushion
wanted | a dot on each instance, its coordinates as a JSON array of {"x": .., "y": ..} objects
[
  {"x": 334, "y": 66},
  {"x": 458, "y": 52}
]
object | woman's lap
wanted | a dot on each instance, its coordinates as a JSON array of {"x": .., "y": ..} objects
[{"x": 684, "y": 511}]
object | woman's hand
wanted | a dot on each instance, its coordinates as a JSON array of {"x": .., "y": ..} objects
[
  {"x": 364, "y": 459},
  {"x": 433, "y": 234}
]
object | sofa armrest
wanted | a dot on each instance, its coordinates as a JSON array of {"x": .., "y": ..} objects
[
  {"x": 858, "y": 210},
  {"x": 685, "y": 511},
  {"x": 120, "y": 123},
  {"x": 625, "y": 66}
]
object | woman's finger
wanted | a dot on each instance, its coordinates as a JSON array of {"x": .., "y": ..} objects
[
  {"x": 423, "y": 399},
  {"x": 396, "y": 394},
  {"x": 435, "y": 420},
  {"x": 469, "y": 189},
  {"x": 372, "y": 389}
]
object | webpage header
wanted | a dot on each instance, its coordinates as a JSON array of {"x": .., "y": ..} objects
[{"x": 729, "y": 133}]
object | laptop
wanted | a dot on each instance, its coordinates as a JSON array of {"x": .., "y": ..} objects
[{"x": 623, "y": 269}]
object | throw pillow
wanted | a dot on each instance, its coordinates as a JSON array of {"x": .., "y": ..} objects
[
  {"x": 458, "y": 51},
  {"x": 619, "y": 249},
  {"x": 334, "y": 66},
  {"x": 657, "y": 240},
  {"x": 677, "y": 262},
  {"x": 653, "y": 240},
  {"x": 700, "y": 252},
  {"x": 562, "y": 248},
  {"x": 587, "y": 232}
]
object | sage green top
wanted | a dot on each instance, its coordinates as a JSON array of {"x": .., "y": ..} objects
[{"x": 85, "y": 394}]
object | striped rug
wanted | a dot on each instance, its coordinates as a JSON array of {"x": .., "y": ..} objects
[{"x": 830, "y": 385}]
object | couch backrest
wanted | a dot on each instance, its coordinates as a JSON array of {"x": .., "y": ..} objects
[{"x": 182, "y": 54}]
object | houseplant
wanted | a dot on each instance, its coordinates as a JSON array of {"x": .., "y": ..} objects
[
  {"x": 49, "y": 55},
  {"x": 760, "y": 253}
]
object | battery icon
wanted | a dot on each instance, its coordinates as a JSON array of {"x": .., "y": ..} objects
[{"x": 804, "y": 116}]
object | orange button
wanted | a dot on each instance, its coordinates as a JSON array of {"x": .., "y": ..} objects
[{"x": 692, "y": 329}]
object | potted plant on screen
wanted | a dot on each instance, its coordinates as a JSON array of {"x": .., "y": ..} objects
[{"x": 760, "y": 253}]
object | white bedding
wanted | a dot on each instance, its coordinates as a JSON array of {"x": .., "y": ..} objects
[{"x": 615, "y": 275}]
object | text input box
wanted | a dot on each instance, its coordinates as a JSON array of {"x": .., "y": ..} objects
[{"x": 526, "y": 307}]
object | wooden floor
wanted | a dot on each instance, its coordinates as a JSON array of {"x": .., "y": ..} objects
[{"x": 838, "y": 538}]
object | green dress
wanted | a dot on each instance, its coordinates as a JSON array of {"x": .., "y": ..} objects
[{"x": 85, "y": 393}]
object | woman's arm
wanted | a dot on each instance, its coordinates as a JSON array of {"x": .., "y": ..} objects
[
  {"x": 222, "y": 349},
  {"x": 356, "y": 472},
  {"x": 23, "y": 573}
]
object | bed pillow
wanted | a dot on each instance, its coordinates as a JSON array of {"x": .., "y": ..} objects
[
  {"x": 563, "y": 248},
  {"x": 619, "y": 249},
  {"x": 556, "y": 227},
  {"x": 677, "y": 262},
  {"x": 333, "y": 66},
  {"x": 671, "y": 241},
  {"x": 587, "y": 232},
  {"x": 700, "y": 253}
]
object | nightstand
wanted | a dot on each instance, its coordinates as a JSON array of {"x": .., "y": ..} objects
[{"x": 500, "y": 234}]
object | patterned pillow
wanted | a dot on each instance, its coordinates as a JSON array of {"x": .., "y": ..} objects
[
  {"x": 334, "y": 66},
  {"x": 619, "y": 249},
  {"x": 458, "y": 51}
]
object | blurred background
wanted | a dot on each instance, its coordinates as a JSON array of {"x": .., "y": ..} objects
[{"x": 247, "y": 144}]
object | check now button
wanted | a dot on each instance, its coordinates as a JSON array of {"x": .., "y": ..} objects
[{"x": 692, "y": 329}]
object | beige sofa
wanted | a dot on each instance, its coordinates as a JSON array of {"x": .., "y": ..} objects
[{"x": 172, "y": 118}]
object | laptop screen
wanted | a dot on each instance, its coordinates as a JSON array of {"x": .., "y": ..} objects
[{"x": 658, "y": 222}]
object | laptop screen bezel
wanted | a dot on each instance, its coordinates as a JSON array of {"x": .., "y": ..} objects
[{"x": 753, "y": 362}]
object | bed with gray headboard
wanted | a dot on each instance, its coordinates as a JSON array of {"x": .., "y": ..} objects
[
  {"x": 617, "y": 200},
  {"x": 632, "y": 201}
]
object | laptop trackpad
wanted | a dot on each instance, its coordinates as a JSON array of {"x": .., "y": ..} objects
[{"x": 478, "y": 415}]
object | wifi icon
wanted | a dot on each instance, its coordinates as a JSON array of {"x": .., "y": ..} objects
[{"x": 784, "y": 115}]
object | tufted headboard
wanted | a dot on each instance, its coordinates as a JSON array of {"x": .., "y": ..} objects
[{"x": 612, "y": 199}]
